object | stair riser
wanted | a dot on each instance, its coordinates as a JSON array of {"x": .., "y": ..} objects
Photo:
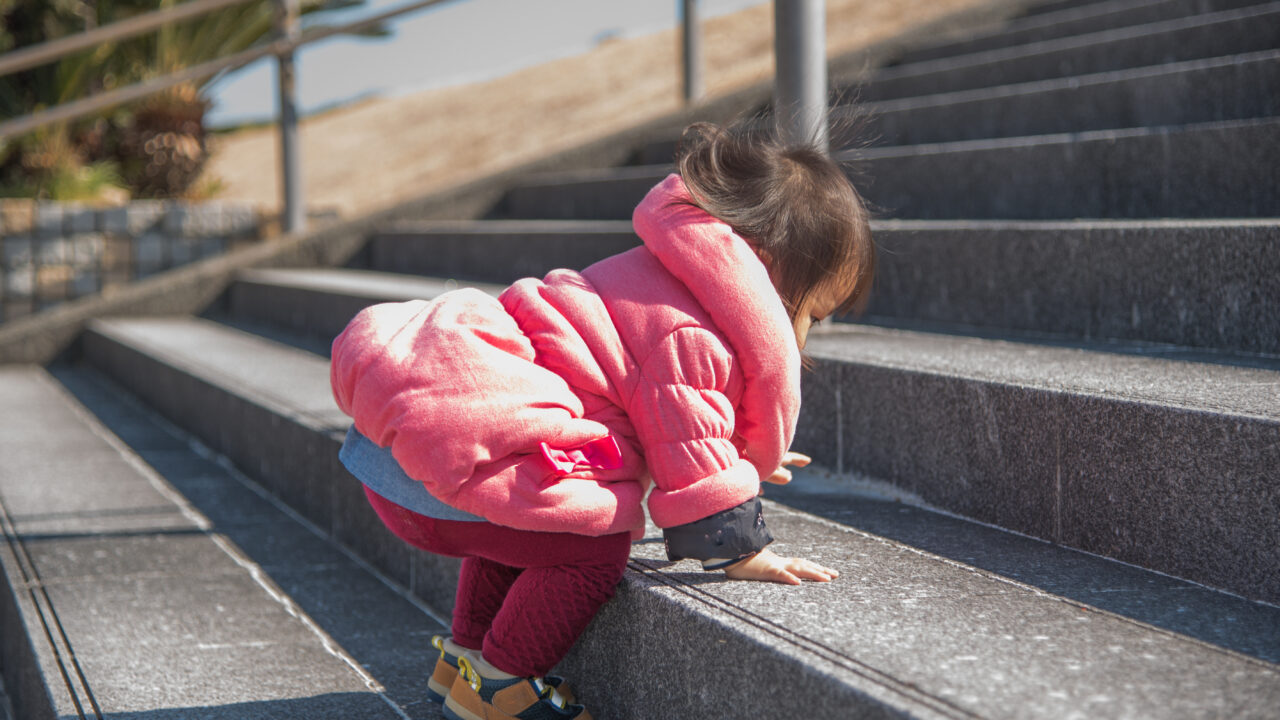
[
  {"x": 1081, "y": 21},
  {"x": 598, "y": 198},
  {"x": 1204, "y": 171},
  {"x": 1042, "y": 8},
  {"x": 313, "y": 314},
  {"x": 1230, "y": 170},
  {"x": 292, "y": 457},
  {"x": 495, "y": 257},
  {"x": 1236, "y": 88},
  {"x": 635, "y": 637},
  {"x": 1184, "y": 492},
  {"x": 1220, "y": 91},
  {"x": 1205, "y": 287},
  {"x": 1244, "y": 31},
  {"x": 27, "y": 670}
]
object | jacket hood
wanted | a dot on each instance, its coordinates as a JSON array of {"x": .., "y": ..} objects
[{"x": 732, "y": 284}]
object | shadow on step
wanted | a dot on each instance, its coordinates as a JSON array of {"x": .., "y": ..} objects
[
  {"x": 387, "y": 634},
  {"x": 1161, "y": 601},
  {"x": 329, "y": 705}
]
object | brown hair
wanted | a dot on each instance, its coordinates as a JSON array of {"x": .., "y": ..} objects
[{"x": 793, "y": 203}]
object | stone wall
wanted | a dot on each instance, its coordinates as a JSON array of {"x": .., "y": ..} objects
[{"x": 52, "y": 252}]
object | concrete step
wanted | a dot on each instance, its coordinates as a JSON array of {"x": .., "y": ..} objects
[
  {"x": 494, "y": 250},
  {"x": 248, "y": 398},
  {"x": 1151, "y": 406},
  {"x": 318, "y": 302},
  {"x": 1053, "y": 6},
  {"x": 1204, "y": 170},
  {"x": 1192, "y": 284},
  {"x": 1168, "y": 465},
  {"x": 601, "y": 194},
  {"x": 901, "y": 633},
  {"x": 1076, "y": 20},
  {"x": 1184, "y": 286},
  {"x": 1231, "y": 32},
  {"x": 1235, "y": 87},
  {"x": 145, "y": 581}
]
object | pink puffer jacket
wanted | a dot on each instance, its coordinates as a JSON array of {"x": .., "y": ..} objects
[{"x": 551, "y": 407}]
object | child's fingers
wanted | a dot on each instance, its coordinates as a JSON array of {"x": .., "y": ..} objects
[
  {"x": 781, "y": 476},
  {"x": 812, "y": 571},
  {"x": 797, "y": 459},
  {"x": 783, "y": 575}
]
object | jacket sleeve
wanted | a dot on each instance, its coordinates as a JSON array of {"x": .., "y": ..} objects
[
  {"x": 685, "y": 421},
  {"x": 721, "y": 539}
]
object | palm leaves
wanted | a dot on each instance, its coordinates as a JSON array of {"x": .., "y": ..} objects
[{"x": 172, "y": 122}]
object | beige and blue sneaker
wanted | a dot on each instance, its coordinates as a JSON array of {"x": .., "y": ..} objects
[
  {"x": 446, "y": 671},
  {"x": 479, "y": 696}
]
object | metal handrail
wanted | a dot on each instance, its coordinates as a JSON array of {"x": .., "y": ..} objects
[
  {"x": 119, "y": 96},
  {"x": 283, "y": 47},
  {"x": 32, "y": 56},
  {"x": 137, "y": 91},
  {"x": 287, "y": 41}
]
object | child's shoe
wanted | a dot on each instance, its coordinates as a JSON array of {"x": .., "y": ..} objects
[
  {"x": 446, "y": 671},
  {"x": 476, "y": 696}
]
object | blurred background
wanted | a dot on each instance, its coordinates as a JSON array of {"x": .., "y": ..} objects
[{"x": 425, "y": 100}]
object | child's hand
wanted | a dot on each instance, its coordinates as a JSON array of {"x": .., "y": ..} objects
[
  {"x": 782, "y": 475},
  {"x": 767, "y": 565}
]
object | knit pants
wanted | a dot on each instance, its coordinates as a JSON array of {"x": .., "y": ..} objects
[{"x": 524, "y": 597}]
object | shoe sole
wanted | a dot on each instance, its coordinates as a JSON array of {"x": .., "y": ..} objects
[
  {"x": 436, "y": 693},
  {"x": 458, "y": 713}
]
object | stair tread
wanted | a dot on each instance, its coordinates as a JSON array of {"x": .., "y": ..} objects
[
  {"x": 1238, "y": 391},
  {"x": 144, "y": 584},
  {"x": 372, "y": 284},
  {"x": 277, "y": 374},
  {"x": 527, "y": 227},
  {"x": 962, "y": 640}
]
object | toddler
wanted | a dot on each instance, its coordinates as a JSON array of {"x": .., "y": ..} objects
[{"x": 522, "y": 433}]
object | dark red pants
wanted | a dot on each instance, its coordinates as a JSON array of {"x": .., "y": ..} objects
[{"x": 523, "y": 597}]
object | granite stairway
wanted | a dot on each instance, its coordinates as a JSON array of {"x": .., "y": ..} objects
[{"x": 1048, "y": 450}]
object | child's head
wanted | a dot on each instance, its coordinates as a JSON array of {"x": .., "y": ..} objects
[{"x": 795, "y": 205}]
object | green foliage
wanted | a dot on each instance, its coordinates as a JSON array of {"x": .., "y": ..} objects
[
  {"x": 85, "y": 183},
  {"x": 114, "y": 138},
  {"x": 54, "y": 170}
]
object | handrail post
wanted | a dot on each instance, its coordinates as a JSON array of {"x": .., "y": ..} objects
[
  {"x": 692, "y": 36},
  {"x": 800, "y": 55},
  {"x": 293, "y": 215}
]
